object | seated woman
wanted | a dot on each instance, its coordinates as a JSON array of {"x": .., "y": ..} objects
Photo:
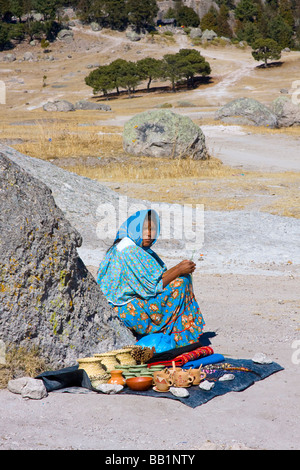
[{"x": 148, "y": 297}]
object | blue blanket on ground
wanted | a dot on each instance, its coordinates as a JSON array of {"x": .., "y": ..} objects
[{"x": 69, "y": 379}]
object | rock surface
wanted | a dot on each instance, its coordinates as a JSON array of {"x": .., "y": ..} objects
[
  {"x": 208, "y": 35},
  {"x": 82, "y": 104},
  {"x": 164, "y": 134},
  {"x": 48, "y": 299},
  {"x": 59, "y": 105},
  {"x": 246, "y": 111},
  {"x": 28, "y": 388},
  {"x": 65, "y": 35}
]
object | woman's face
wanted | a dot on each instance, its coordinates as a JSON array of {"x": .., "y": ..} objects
[{"x": 149, "y": 232}]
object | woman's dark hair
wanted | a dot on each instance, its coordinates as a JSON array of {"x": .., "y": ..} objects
[{"x": 114, "y": 243}]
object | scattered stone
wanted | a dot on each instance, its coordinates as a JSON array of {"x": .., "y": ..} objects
[
  {"x": 224, "y": 38},
  {"x": 132, "y": 35},
  {"x": 179, "y": 392},
  {"x": 209, "y": 35},
  {"x": 226, "y": 377},
  {"x": 206, "y": 385},
  {"x": 28, "y": 56},
  {"x": 82, "y": 104},
  {"x": 28, "y": 388},
  {"x": 110, "y": 389},
  {"x": 65, "y": 35},
  {"x": 37, "y": 16},
  {"x": 95, "y": 26},
  {"x": 195, "y": 33},
  {"x": 164, "y": 134},
  {"x": 261, "y": 358},
  {"x": 9, "y": 58},
  {"x": 246, "y": 111}
]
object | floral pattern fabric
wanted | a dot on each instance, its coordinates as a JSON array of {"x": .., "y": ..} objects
[{"x": 174, "y": 311}]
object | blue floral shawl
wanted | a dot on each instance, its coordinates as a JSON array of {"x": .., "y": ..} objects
[{"x": 128, "y": 269}]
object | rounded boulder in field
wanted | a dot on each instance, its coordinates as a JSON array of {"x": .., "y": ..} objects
[
  {"x": 246, "y": 111},
  {"x": 164, "y": 134}
]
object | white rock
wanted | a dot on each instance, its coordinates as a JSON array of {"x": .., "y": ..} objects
[
  {"x": 226, "y": 377},
  {"x": 109, "y": 388},
  {"x": 28, "y": 388},
  {"x": 206, "y": 385},
  {"x": 17, "y": 385},
  {"x": 261, "y": 358},
  {"x": 34, "y": 389},
  {"x": 179, "y": 392}
]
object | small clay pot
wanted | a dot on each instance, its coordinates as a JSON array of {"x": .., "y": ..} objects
[{"x": 116, "y": 377}]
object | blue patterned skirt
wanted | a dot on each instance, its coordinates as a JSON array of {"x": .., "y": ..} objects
[{"x": 175, "y": 312}]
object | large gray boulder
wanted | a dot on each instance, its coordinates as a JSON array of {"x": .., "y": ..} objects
[
  {"x": 48, "y": 298},
  {"x": 162, "y": 133},
  {"x": 65, "y": 35},
  {"x": 246, "y": 111},
  {"x": 287, "y": 112},
  {"x": 208, "y": 35},
  {"x": 195, "y": 33},
  {"x": 86, "y": 105}
]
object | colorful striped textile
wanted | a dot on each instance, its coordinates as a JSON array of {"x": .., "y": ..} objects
[{"x": 204, "y": 351}]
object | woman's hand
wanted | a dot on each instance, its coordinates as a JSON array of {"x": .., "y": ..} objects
[{"x": 186, "y": 267}]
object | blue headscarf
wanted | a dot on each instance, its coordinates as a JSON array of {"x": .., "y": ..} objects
[
  {"x": 135, "y": 270},
  {"x": 133, "y": 227}
]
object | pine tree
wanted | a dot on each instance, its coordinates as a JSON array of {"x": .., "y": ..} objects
[
  {"x": 210, "y": 20},
  {"x": 246, "y": 10},
  {"x": 149, "y": 68},
  {"x": 265, "y": 49},
  {"x": 223, "y": 28},
  {"x": 141, "y": 14},
  {"x": 280, "y": 32},
  {"x": 286, "y": 12}
]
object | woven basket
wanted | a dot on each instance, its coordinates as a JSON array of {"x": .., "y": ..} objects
[
  {"x": 99, "y": 379},
  {"x": 125, "y": 358},
  {"x": 108, "y": 360},
  {"x": 91, "y": 365}
]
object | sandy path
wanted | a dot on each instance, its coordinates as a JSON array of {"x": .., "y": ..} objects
[{"x": 252, "y": 151}]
